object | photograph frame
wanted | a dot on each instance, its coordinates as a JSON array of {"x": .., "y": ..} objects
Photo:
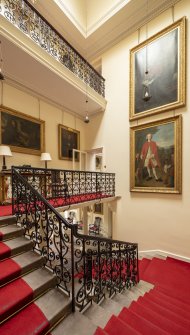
[
  {"x": 165, "y": 96},
  {"x": 168, "y": 168},
  {"x": 68, "y": 139},
  {"x": 17, "y": 127}
]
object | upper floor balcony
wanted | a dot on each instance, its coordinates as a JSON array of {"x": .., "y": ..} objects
[{"x": 36, "y": 56}]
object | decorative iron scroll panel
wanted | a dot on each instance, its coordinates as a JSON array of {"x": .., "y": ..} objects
[
  {"x": 30, "y": 22},
  {"x": 66, "y": 187},
  {"x": 48, "y": 230},
  {"x": 87, "y": 267},
  {"x": 103, "y": 267}
]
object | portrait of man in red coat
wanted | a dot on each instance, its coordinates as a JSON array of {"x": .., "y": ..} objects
[{"x": 149, "y": 155}]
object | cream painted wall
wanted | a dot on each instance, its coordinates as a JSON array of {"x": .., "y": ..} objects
[
  {"x": 155, "y": 221},
  {"x": 23, "y": 102}
]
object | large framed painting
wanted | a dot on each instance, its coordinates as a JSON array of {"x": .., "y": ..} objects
[
  {"x": 21, "y": 132},
  {"x": 155, "y": 162},
  {"x": 69, "y": 139},
  {"x": 157, "y": 72}
]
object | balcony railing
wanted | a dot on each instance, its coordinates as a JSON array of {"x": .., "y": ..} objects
[
  {"x": 21, "y": 14},
  {"x": 67, "y": 187}
]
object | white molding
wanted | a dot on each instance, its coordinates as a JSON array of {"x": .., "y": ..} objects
[{"x": 164, "y": 253}]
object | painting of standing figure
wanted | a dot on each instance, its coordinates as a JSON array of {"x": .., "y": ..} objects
[{"x": 156, "y": 156}]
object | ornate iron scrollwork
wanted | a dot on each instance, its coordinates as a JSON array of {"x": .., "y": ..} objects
[
  {"x": 87, "y": 267},
  {"x": 30, "y": 22}
]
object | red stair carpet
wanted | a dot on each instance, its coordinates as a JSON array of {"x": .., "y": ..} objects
[
  {"x": 30, "y": 320},
  {"x": 163, "y": 310}
]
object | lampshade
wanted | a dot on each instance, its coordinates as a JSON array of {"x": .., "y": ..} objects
[
  {"x": 45, "y": 156},
  {"x": 5, "y": 150}
]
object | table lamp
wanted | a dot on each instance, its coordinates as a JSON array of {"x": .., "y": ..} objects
[
  {"x": 45, "y": 156},
  {"x": 5, "y": 151}
]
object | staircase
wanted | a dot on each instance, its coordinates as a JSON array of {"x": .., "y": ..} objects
[
  {"x": 31, "y": 303},
  {"x": 164, "y": 309},
  {"x": 28, "y": 292}
]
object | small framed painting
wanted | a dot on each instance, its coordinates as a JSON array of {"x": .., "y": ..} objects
[
  {"x": 69, "y": 139},
  {"x": 155, "y": 162}
]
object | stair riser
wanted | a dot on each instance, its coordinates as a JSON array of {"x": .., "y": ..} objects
[
  {"x": 28, "y": 268},
  {"x": 12, "y": 235},
  {"x": 17, "y": 251},
  {"x": 6, "y": 220}
]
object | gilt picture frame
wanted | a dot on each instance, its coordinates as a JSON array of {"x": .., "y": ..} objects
[
  {"x": 69, "y": 139},
  {"x": 98, "y": 208},
  {"x": 156, "y": 154},
  {"x": 23, "y": 133},
  {"x": 157, "y": 72}
]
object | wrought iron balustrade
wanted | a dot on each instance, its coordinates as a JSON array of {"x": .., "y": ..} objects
[
  {"x": 21, "y": 14},
  {"x": 67, "y": 187},
  {"x": 87, "y": 267}
]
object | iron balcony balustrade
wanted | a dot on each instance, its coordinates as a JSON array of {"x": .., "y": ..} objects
[
  {"x": 67, "y": 187},
  {"x": 23, "y": 16},
  {"x": 88, "y": 268}
]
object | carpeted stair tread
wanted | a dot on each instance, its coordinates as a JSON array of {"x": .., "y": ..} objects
[
  {"x": 5, "y": 251},
  {"x": 6, "y": 220},
  {"x": 180, "y": 294},
  {"x": 143, "y": 265},
  {"x": 13, "y": 297},
  {"x": 154, "y": 270},
  {"x": 15, "y": 246},
  {"x": 170, "y": 305},
  {"x": 154, "y": 317},
  {"x": 29, "y": 321},
  {"x": 167, "y": 274},
  {"x": 139, "y": 323},
  {"x": 11, "y": 268},
  {"x": 98, "y": 315},
  {"x": 19, "y": 292},
  {"x": 10, "y": 231},
  {"x": 74, "y": 324},
  {"x": 54, "y": 305},
  {"x": 166, "y": 295},
  {"x": 40, "y": 280},
  {"x": 165, "y": 312},
  {"x": 116, "y": 326},
  {"x": 178, "y": 262}
]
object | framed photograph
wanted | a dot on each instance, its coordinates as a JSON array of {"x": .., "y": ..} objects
[
  {"x": 155, "y": 162},
  {"x": 69, "y": 139},
  {"x": 21, "y": 132},
  {"x": 98, "y": 208},
  {"x": 157, "y": 72}
]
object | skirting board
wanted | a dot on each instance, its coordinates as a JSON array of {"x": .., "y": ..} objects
[{"x": 153, "y": 253}]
